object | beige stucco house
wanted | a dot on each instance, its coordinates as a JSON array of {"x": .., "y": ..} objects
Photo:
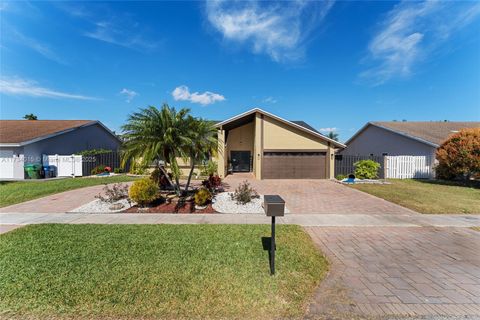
[{"x": 274, "y": 148}]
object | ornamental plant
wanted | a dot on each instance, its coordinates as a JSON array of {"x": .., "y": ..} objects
[
  {"x": 98, "y": 169},
  {"x": 143, "y": 191},
  {"x": 116, "y": 192},
  {"x": 459, "y": 156},
  {"x": 212, "y": 183},
  {"x": 202, "y": 196},
  {"x": 366, "y": 169},
  {"x": 244, "y": 193}
]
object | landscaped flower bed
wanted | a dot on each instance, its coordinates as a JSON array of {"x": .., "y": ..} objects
[
  {"x": 172, "y": 207},
  {"x": 144, "y": 196}
]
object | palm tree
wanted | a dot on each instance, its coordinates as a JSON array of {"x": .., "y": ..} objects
[
  {"x": 203, "y": 142},
  {"x": 154, "y": 135},
  {"x": 333, "y": 135},
  {"x": 30, "y": 116}
]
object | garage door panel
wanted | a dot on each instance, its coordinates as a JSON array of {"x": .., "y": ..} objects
[{"x": 283, "y": 165}]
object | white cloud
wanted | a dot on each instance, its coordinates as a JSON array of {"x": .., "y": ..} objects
[
  {"x": 328, "y": 129},
  {"x": 269, "y": 100},
  {"x": 278, "y": 29},
  {"x": 37, "y": 46},
  {"x": 105, "y": 24},
  {"x": 22, "y": 87},
  {"x": 115, "y": 34},
  {"x": 182, "y": 93},
  {"x": 129, "y": 94},
  {"x": 410, "y": 32}
]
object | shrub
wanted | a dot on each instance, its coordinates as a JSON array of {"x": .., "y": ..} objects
[
  {"x": 143, "y": 191},
  {"x": 98, "y": 169},
  {"x": 116, "y": 192},
  {"x": 340, "y": 176},
  {"x": 94, "y": 152},
  {"x": 366, "y": 169},
  {"x": 244, "y": 193},
  {"x": 202, "y": 196},
  {"x": 212, "y": 183},
  {"x": 117, "y": 170},
  {"x": 210, "y": 168},
  {"x": 108, "y": 169},
  {"x": 138, "y": 170},
  {"x": 459, "y": 155}
]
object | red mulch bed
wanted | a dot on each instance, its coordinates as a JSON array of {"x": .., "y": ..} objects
[{"x": 164, "y": 207}]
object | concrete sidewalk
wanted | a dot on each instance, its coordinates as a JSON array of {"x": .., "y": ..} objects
[{"x": 320, "y": 220}]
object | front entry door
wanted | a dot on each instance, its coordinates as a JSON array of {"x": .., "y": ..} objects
[{"x": 240, "y": 161}]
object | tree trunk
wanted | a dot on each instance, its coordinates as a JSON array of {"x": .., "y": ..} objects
[
  {"x": 178, "y": 191},
  {"x": 162, "y": 168},
  {"x": 192, "y": 166}
]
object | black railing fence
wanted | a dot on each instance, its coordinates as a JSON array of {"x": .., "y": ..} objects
[
  {"x": 110, "y": 159},
  {"x": 344, "y": 164}
]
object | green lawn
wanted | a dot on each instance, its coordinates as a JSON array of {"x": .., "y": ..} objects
[
  {"x": 427, "y": 196},
  {"x": 12, "y": 192},
  {"x": 156, "y": 271}
]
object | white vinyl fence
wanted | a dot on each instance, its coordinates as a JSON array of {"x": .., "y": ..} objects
[
  {"x": 65, "y": 166},
  {"x": 11, "y": 165},
  {"x": 409, "y": 167}
]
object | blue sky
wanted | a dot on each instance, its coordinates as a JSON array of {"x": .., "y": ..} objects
[{"x": 333, "y": 64}]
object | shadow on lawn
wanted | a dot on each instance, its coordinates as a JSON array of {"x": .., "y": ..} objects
[{"x": 469, "y": 184}]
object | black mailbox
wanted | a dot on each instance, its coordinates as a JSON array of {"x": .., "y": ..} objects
[{"x": 274, "y": 206}]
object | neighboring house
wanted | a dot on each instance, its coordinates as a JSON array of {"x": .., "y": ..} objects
[
  {"x": 402, "y": 138},
  {"x": 274, "y": 148},
  {"x": 30, "y": 139}
]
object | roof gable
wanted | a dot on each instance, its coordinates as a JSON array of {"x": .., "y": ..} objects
[
  {"x": 295, "y": 124},
  {"x": 21, "y": 132},
  {"x": 432, "y": 133}
]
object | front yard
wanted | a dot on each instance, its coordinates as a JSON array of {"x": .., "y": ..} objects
[
  {"x": 12, "y": 192},
  {"x": 427, "y": 196},
  {"x": 156, "y": 271}
]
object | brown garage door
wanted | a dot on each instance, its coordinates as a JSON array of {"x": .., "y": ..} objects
[{"x": 294, "y": 165}]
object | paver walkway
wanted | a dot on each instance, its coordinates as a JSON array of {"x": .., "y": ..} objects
[
  {"x": 398, "y": 271},
  {"x": 318, "y": 196},
  {"x": 59, "y": 202},
  {"x": 301, "y": 196}
]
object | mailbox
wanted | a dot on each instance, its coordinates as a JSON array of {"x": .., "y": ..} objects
[{"x": 274, "y": 206}]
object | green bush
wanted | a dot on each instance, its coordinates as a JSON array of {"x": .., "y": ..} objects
[
  {"x": 143, "y": 191},
  {"x": 366, "y": 169},
  {"x": 244, "y": 193},
  {"x": 202, "y": 196},
  {"x": 139, "y": 170},
  {"x": 210, "y": 168},
  {"x": 340, "y": 176},
  {"x": 117, "y": 170},
  {"x": 98, "y": 169},
  {"x": 93, "y": 152}
]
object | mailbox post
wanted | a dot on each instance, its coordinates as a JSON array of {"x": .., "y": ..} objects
[{"x": 274, "y": 206}]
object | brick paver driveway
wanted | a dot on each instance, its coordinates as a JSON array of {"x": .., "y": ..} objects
[
  {"x": 399, "y": 271},
  {"x": 318, "y": 196}
]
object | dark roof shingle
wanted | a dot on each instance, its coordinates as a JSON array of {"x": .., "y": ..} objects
[
  {"x": 17, "y": 131},
  {"x": 435, "y": 132},
  {"x": 305, "y": 125}
]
